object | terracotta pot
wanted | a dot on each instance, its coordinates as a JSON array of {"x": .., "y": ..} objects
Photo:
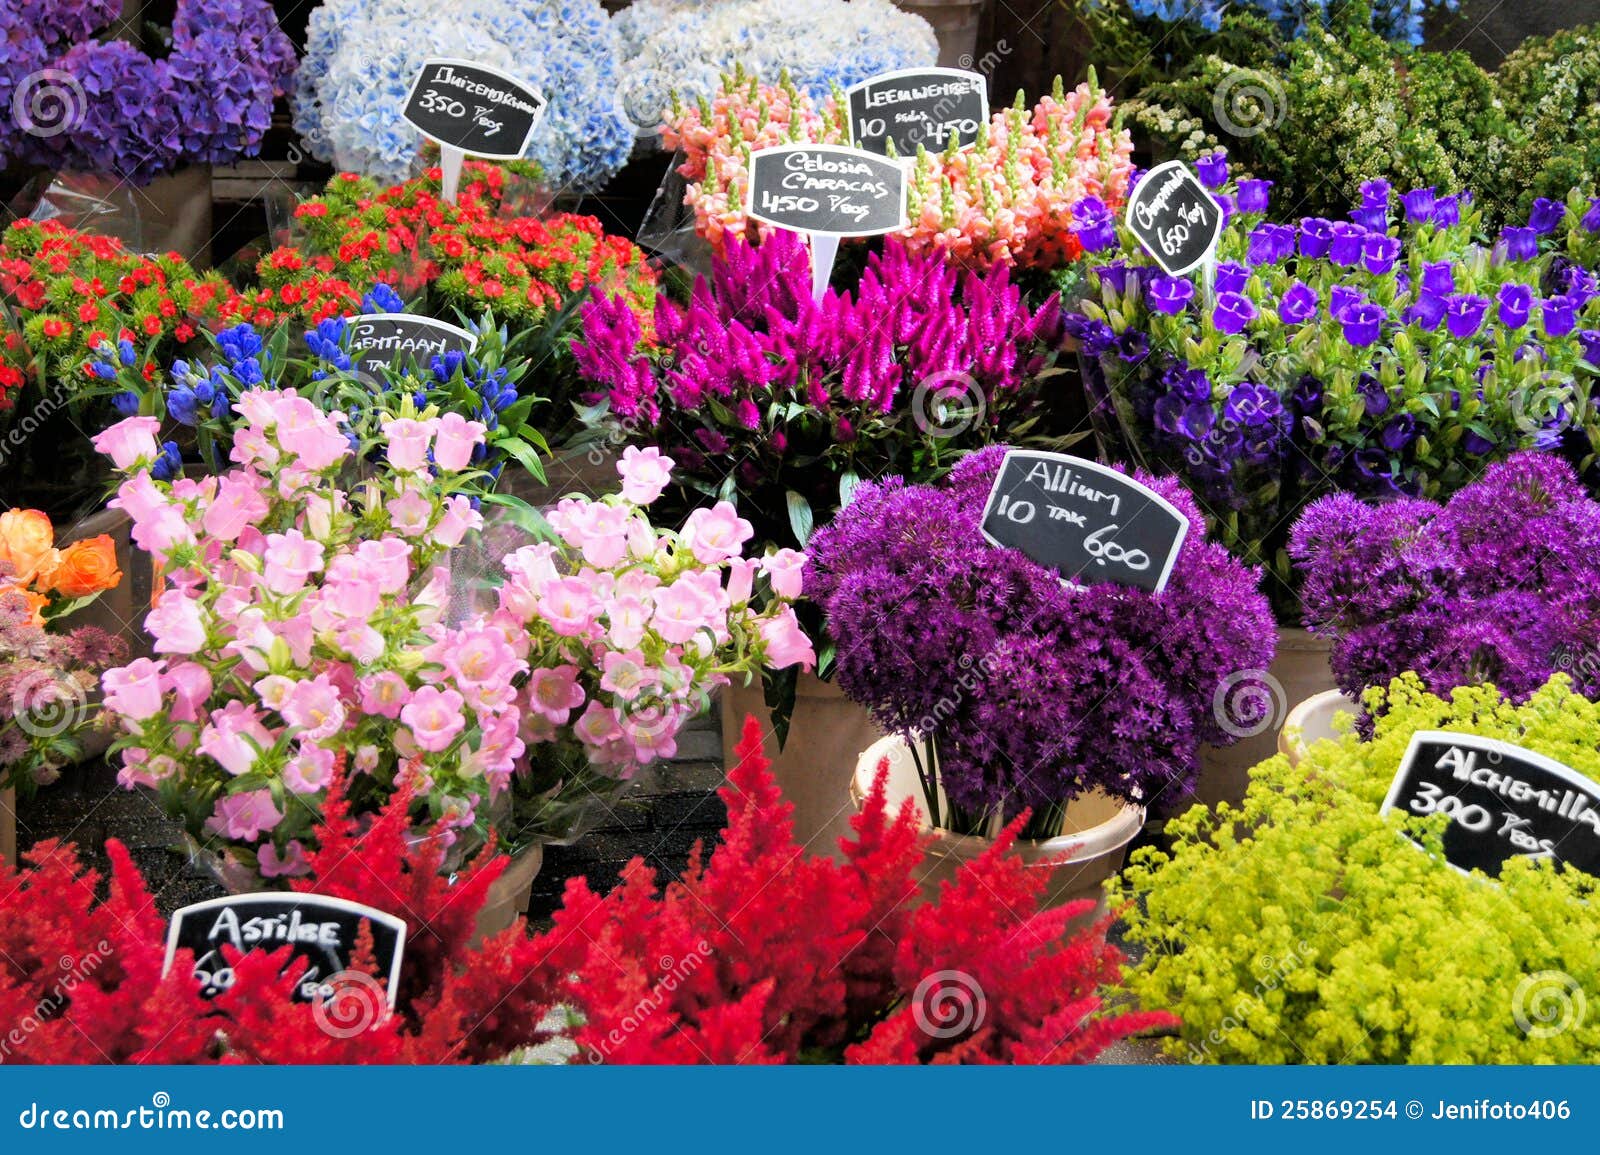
[
  {"x": 1090, "y": 849},
  {"x": 512, "y": 891},
  {"x": 1299, "y": 671},
  {"x": 955, "y": 23},
  {"x": 8, "y": 826},
  {"x": 826, "y": 735},
  {"x": 1314, "y": 720}
]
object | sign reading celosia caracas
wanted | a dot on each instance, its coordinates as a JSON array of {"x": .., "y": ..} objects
[
  {"x": 918, "y": 108},
  {"x": 827, "y": 190},
  {"x": 1088, "y": 523},
  {"x": 1502, "y": 802},
  {"x": 1174, "y": 217},
  {"x": 381, "y": 340},
  {"x": 321, "y": 930},
  {"x": 480, "y": 111}
]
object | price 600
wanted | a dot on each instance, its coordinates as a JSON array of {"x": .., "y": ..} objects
[
  {"x": 1431, "y": 799},
  {"x": 435, "y": 101}
]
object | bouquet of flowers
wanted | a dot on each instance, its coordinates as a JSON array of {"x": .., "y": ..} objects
[
  {"x": 362, "y": 57},
  {"x": 1499, "y": 584},
  {"x": 1011, "y": 199},
  {"x": 1022, "y": 691},
  {"x": 766, "y": 397},
  {"x": 683, "y": 46},
  {"x": 103, "y": 106},
  {"x": 48, "y": 679},
  {"x": 1376, "y": 356},
  {"x": 307, "y": 624}
]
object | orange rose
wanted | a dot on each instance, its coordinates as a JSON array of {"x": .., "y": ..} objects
[
  {"x": 27, "y": 543},
  {"x": 86, "y": 567},
  {"x": 36, "y": 604}
]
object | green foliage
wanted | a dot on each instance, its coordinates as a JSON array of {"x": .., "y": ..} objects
[{"x": 1305, "y": 929}]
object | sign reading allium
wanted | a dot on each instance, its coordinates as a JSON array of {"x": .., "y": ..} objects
[
  {"x": 477, "y": 110},
  {"x": 918, "y": 108},
  {"x": 1175, "y": 218},
  {"x": 1088, "y": 523},
  {"x": 827, "y": 190},
  {"x": 1502, "y": 801},
  {"x": 321, "y": 930},
  {"x": 381, "y": 340}
]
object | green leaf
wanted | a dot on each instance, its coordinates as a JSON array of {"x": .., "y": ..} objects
[
  {"x": 801, "y": 519},
  {"x": 523, "y": 515},
  {"x": 524, "y": 453},
  {"x": 847, "y": 487}
]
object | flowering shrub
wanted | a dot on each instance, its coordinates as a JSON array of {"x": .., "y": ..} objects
[
  {"x": 103, "y": 106},
  {"x": 804, "y": 399},
  {"x": 1324, "y": 937},
  {"x": 362, "y": 57},
  {"x": 1009, "y": 200},
  {"x": 1105, "y": 687},
  {"x": 1381, "y": 357},
  {"x": 1498, "y": 584},
  {"x": 683, "y": 46},
  {"x": 306, "y": 622}
]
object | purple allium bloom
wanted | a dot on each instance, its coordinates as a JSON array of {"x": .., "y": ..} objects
[
  {"x": 1345, "y": 248},
  {"x": 1231, "y": 277},
  {"x": 1316, "y": 234},
  {"x": 1521, "y": 244},
  {"x": 1500, "y": 584},
  {"x": 1419, "y": 205},
  {"x": 1298, "y": 305},
  {"x": 1557, "y": 315},
  {"x": 1591, "y": 218},
  {"x": 1232, "y": 312},
  {"x": 1213, "y": 169},
  {"x": 1093, "y": 225},
  {"x": 1515, "y": 303},
  {"x": 1101, "y": 687},
  {"x": 1464, "y": 312},
  {"x": 1546, "y": 215},
  {"x": 1169, "y": 295},
  {"x": 1254, "y": 195},
  {"x": 1378, "y": 253},
  {"x": 1362, "y": 324}
]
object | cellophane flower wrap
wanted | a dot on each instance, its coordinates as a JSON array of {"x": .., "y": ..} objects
[
  {"x": 1010, "y": 199},
  {"x": 105, "y": 107},
  {"x": 362, "y": 57},
  {"x": 1500, "y": 584},
  {"x": 1390, "y": 354},
  {"x": 311, "y": 619},
  {"x": 764, "y": 396},
  {"x": 1029, "y": 691},
  {"x": 683, "y": 47}
]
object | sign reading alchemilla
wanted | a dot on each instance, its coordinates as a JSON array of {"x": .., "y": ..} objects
[
  {"x": 1175, "y": 218},
  {"x": 381, "y": 340},
  {"x": 918, "y": 108},
  {"x": 320, "y": 930},
  {"x": 480, "y": 111},
  {"x": 1088, "y": 523},
  {"x": 827, "y": 190},
  {"x": 1502, "y": 801}
]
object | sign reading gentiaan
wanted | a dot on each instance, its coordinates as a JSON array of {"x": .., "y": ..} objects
[
  {"x": 918, "y": 107},
  {"x": 381, "y": 340},
  {"x": 480, "y": 111},
  {"x": 1502, "y": 801},
  {"x": 1088, "y": 523},
  {"x": 827, "y": 190},
  {"x": 1174, "y": 217},
  {"x": 321, "y": 930}
]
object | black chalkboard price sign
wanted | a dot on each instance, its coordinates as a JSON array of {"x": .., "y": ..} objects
[
  {"x": 1174, "y": 217},
  {"x": 918, "y": 107},
  {"x": 321, "y": 930},
  {"x": 381, "y": 340},
  {"x": 477, "y": 110},
  {"x": 1088, "y": 523},
  {"x": 827, "y": 190},
  {"x": 1502, "y": 801}
]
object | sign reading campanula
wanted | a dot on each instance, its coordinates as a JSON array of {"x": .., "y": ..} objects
[
  {"x": 381, "y": 340},
  {"x": 1088, "y": 523},
  {"x": 1174, "y": 217},
  {"x": 1502, "y": 801},
  {"x": 918, "y": 108},
  {"x": 478, "y": 110},
  {"x": 827, "y": 190},
  {"x": 320, "y": 930}
]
